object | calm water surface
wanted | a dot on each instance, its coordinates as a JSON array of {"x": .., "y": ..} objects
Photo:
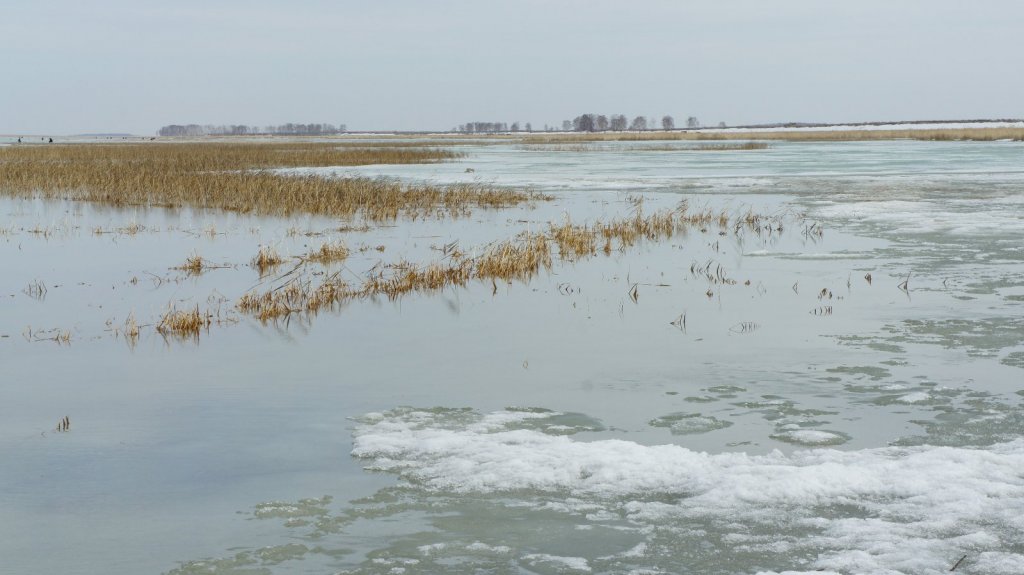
[{"x": 804, "y": 418}]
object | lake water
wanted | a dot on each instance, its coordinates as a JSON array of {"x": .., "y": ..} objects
[{"x": 804, "y": 418}]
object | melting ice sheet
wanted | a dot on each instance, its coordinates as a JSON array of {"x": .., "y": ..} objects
[{"x": 885, "y": 510}]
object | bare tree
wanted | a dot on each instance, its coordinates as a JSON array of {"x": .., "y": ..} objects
[
  {"x": 639, "y": 123},
  {"x": 618, "y": 122},
  {"x": 583, "y": 123},
  {"x": 515, "y": 126},
  {"x": 668, "y": 123},
  {"x": 692, "y": 122},
  {"x": 529, "y": 128},
  {"x": 721, "y": 124},
  {"x": 602, "y": 123},
  {"x": 566, "y": 125}
]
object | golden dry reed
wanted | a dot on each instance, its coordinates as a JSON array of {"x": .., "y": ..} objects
[
  {"x": 194, "y": 265},
  {"x": 241, "y": 177},
  {"x": 329, "y": 252},
  {"x": 266, "y": 259},
  {"x": 578, "y": 241},
  {"x": 520, "y": 258},
  {"x": 183, "y": 323}
]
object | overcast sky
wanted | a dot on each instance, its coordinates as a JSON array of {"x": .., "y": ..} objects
[{"x": 134, "y": 65}]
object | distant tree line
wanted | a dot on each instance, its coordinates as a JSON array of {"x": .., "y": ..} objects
[
  {"x": 620, "y": 123},
  {"x": 242, "y": 130},
  {"x": 491, "y": 127},
  {"x": 585, "y": 123}
]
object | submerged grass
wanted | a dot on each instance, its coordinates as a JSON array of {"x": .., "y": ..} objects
[{"x": 241, "y": 177}]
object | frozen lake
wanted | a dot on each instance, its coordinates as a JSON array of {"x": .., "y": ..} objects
[{"x": 848, "y": 400}]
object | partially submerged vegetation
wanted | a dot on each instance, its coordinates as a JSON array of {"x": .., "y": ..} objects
[
  {"x": 195, "y": 265},
  {"x": 183, "y": 323},
  {"x": 266, "y": 259},
  {"x": 241, "y": 177},
  {"x": 329, "y": 252},
  {"x": 517, "y": 259}
]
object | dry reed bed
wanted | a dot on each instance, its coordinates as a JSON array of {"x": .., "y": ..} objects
[{"x": 240, "y": 177}]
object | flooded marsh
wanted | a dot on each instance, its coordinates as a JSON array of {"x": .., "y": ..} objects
[{"x": 510, "y": 359}]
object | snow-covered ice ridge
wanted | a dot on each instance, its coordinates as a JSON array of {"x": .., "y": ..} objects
[{"x": 883, "y": 510}]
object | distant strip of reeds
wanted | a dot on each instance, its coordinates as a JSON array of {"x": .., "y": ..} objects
[
  {"x": 723, "y": 147},
  {"x": 241, "y": 177},
  {"x": 940, "y": 134}
]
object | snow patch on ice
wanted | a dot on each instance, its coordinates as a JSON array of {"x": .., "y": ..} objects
[
  {"x": 573, "y": 563},
  {"x": 892, "y": 509},
  {"x": 916, "y": 397}
]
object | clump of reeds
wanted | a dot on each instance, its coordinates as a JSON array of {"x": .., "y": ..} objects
[
  {"x": 398, "y": 279},
  {"x": 266, "y": 259},
  {"x": 295, "y": 296},
  {"x": 183, "y": 323},
  {"x": 574, "y": 242},
  {"x": 194, "y": 265},
  {"x": 242, "y": 177},
  {"x": 329, "y": 252},
  {"x": 627, "y": 231},
  {"x": 514, "y": 259},
  {"x": 131, "y": 329}
]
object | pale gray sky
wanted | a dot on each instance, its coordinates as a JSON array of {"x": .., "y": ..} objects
[{"x": 135, "y": 65}]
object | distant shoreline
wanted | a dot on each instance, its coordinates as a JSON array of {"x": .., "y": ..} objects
[{"x": 976, "y": 130}]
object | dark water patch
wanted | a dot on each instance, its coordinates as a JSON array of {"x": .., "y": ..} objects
[
  {"x": 1013, "y": 359},
  {"x": 977, "y": 337},
  {"x": 873, "y": 372}
]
